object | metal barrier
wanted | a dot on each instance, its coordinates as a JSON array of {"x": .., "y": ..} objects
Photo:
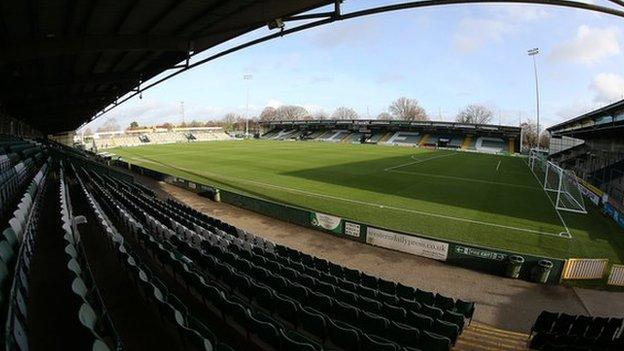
[
  {"x": 616, "y": 277},
  {"x": 584, "y": 268}
]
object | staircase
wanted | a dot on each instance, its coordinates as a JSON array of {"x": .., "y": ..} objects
[
  {"x": 385, "y": 138},
  {"x": 423, "y": 140},
  {"x": 467, "y": 142},
  {"x": 482, "y": 337}
]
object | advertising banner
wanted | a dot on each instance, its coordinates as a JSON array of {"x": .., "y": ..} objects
[
  {"x": 327, "y": 222},
  {"x": 407, "y": 243}
]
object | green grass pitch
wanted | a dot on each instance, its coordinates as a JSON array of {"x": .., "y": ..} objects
[{"x": 488, "y": 200}]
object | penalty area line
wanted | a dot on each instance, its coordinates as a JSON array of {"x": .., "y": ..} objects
[{"x": 417, "y": 162}]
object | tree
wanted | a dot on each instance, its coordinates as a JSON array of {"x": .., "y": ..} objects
[
  {"x": 229, "y": 119},
  {"x": 320, "y": 115},
  {"x": 291, "y": 113},
  {"x": 166, "y": 125},
  {"x": 195, "y": 123},
  {"x": 407, "y": 109},
  {"x": 268, "y": 114},
  {"x": 385, "y": 116},
  {"x": 110, "y": 125},
  {"x": 477, "y": 114},
  {"x": 529, "y": 136},
  {"x": 87, "y": 132},
  {"x": 134, "y": 125},
  {"x": 344, "y": 113}
]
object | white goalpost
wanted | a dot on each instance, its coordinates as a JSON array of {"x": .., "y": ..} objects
[{"x": 559, "y": 182}]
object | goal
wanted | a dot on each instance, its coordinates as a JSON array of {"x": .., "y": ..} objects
[{"x": 560, "y": 184}]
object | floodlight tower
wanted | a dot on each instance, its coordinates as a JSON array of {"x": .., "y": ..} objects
[
  {"x": 534, "y": 52},
  {"x": 247, "y": 77}
]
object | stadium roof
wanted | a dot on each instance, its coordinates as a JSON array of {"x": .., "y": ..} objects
[
  {"x": 63, "y": 61},
  {"x": 603, "y": 120}
]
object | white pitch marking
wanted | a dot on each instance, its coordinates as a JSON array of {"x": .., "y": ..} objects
[
  {"x": 498, "y": 165},
  {"x": 417, "y": 162},
  {"x": 307, "y": 193},
  {"x": 467, "y": 179}
]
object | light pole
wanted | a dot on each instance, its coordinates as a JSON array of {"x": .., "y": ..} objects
[
  {"x": 247, "y": 77},
  {"x": 534, "y": 52}
]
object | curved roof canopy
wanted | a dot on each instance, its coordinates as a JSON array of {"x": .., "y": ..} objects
[{"x": 63, "y": 61}]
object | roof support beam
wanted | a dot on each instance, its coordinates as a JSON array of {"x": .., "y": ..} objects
[{"x": 86, "y": 44}]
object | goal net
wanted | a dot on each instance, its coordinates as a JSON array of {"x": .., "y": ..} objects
[{"x": 560, "y": 184}]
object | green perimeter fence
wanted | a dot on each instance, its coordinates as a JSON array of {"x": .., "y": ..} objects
[{"x": 489, "y": 260}]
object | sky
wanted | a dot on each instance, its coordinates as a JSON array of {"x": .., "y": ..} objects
[{"x": 445, "y": 57}]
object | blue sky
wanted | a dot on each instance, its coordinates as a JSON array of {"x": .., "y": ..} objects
[{"x": 445, "y": 57}]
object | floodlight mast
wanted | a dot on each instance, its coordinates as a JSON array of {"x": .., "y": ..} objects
[
  {"x": 534, "y": 52},
  {"x": 247, "y": 77}
]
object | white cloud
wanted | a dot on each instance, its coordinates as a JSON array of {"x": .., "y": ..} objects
[
  {"x": 608, "y": 87},
  {"x": 274, "y": 103},
  {"x": 474, "y": 33},
  {"x": 589, "y": 46}
]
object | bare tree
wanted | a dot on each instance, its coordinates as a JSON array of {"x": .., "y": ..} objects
[
  {"x": 475, "y": 113},
  {"x": 291, "y": 113},
  {"x": 345, "y": 113},
  {"x": 529, "y": 136},
  {"x": 407, "y": 109},
  {"x": 268, "y": 114},
  {"x": 320, "y": 115},
  {"x": 110, "y": 125},
  {"x": 229, "y": 119},
  {"x": 385, "y": 116}
]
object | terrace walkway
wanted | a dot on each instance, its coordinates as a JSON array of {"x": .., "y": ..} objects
[{"x": 511, "y": 305}]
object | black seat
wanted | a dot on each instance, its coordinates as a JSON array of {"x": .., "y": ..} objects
[
  {"x": 544, "y": 322},
  {"x": 580, "y": 325},
  {"x": 290, "y": 342},
  {"x": 394, "y": 313},
  {"x": 424, "y": 297},
  {"x": 321, "y": 302},
  {"x": 265, "y": 329},
  {"x": 346, "y": 313},
  {"x": 444, "y": 303},
  {"x": 446, "y": 329},
  {"x": 431, "y": 311},
  {"x": 404, "y": 291},
  {"x": 286, "y": 308},
  {"x": 419, "y": 321},
  {"x": 368, "y": 281},
  {"x": 563, "y": 324},
  {"x": 434, "y": 342}
]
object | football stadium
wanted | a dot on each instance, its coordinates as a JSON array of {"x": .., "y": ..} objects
[{"x": 267, "y": 226}]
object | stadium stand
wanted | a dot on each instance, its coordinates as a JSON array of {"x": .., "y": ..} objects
[
  {"x": 561, "y": 331},
  {"x": 147, "y": 136},
  {"x": 459, "y": 136},
  {"x": 591, "y": 145},
  {"x": 275, "y": 296}
]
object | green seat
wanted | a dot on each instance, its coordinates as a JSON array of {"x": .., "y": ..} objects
[
  {"x": 367, "y": 291},
  {"x": 444, "y": 303},
  {"x": 465, "y": 308},
  {"x": 369, "y": 305},
  {"x": 286, "y": 308},
  {"x": 446, "y": 329},
  {"x": 455, "y": 318},
  {"x": 206, "y": 333},
  {"x": 99, "y": 345},
  {"x": 5, "y": 277},
  {"x": 291, "y": 340},
  {"x": 263, "y": 327},
  {"x": 373, "y": 323},
  {"x": 6, "y": 253},
  {"x": 313, "y": 322},
  {"x": 10, "y": 237},
  {"x": 419, "y": 321},
  {"x": 410, "y": 305},
  {"x": 434, "y": 342},
  {"x": 393, "y": 313},
  {"x": 386, "y": 286},
  {"x": 343, "y": 335},
  {"x": 424, "y": 297},
  {"x": 375, "y": 343},
  {"x": 403, "y": 334},
  {"x": 368, "y": 281},
  {"x": 404, "y": 291},
  {"x": 321, "y": 302},
  {"x": 346, "y": 313},
  {"x": 431, "y": 311},
  {"x": 194, "y": 338}
]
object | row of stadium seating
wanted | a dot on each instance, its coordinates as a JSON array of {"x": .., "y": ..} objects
[
  {"x": 16, "y": 250},
  {"x": 277, "y": 294},
  {"x": 404, "y": 138},
  {"x": 554, "y": 331},
  {"x": 127, "y": 140}
]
